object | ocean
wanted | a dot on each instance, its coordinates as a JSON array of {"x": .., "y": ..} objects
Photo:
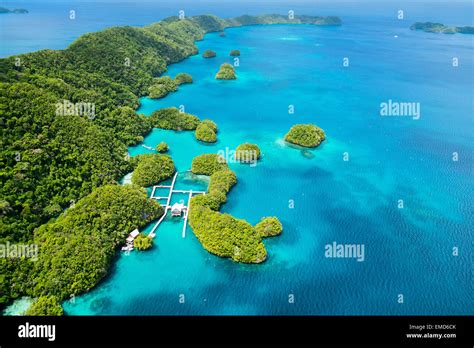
[{"x": 400, "y": 186}]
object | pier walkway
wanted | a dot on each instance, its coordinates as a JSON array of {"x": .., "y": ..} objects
[{"x": 167, "y": 205}]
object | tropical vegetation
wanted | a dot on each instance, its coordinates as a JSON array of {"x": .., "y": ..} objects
[
  {"x": 142, "y": 242},
  {"x": 183, "y": 78},
  {"x": 205, "y": 133},
  {"x": 208, "y": 164},
  {"x": 209, "y": 54},
  {"x": 226, "y": 72},
  {"x": 152, "y": 168},
  {"x": 45, "y": 306},
  {"x": 307, "y": 135},
  {"x": 172, "y": 118},
  {"x": 269, "y": 227},
  {"x": 162, "y": 147},
  {"x": 247, "y": 153},
  {"x": 222, "y": 234},
  {"x": 161, "y": 87}
]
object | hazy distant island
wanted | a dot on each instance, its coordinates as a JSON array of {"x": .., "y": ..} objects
[
  {"x": 209, "y": 54},
  {"x": 16, "y": 10},
  {"x": 66, "y": 183},
  {"x": 431, "y": 27}
]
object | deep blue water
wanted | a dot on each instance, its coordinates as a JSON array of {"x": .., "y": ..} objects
[
  {"x": 407, "y": 251},
  {"x": 48, "y": 23}
]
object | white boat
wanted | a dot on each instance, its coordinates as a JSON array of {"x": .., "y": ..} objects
[{"x": 128, "y": 247}]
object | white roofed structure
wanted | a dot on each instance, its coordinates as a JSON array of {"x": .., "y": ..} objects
[{"x": 177, "y": 209}]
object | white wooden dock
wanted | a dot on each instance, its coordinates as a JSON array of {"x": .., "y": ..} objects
[{"x": 167, "y": 206}]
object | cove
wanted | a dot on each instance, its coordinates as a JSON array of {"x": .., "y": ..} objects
[{"x": 353, "y": 202}]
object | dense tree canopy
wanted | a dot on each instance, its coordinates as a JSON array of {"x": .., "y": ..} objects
[
  {"x": 142, "y": 242},
  {"x": 78, "y": 247},
  {"x": 247, "y": 153},
  {"x": 205, "y": 133},
  {"x": 269, "y": 227},
  {"x": 172, "y": 118},
  {"x": 161, "y": 87},
  {"x": 45, "y": 306},
  {"x": 226, "y": 72},
  {"x": 222, "y": 234},
  {"x": 207, "y": 164},
  {"x": 162, "y": 147},
  {"x": 183, "y": 78},
  {"x": 307, "y": 135},
  {"x": 209, "y": 54},
  {"x": 152, "y": 168}
]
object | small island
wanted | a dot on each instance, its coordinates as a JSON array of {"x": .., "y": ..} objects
[
  {"x": 269, "y": 227},
  {"x": 247, "y": 153},
  {"x": 234, "y": 53},
  {"x": 151, "y": 169},
  {"x": 142, "y": 242},
  {"x": 161, "y": 87},
  {"x": 306, "y": 135},
  {"x": 226, "y": 72},
  {"x": 162, "y": 147},
  {"x": 430, "y": 27},
  {"x": 209, "y": 54},
  {"x": 183, "y": 78},
  {"x": 206, "y": 131},
  {"x": 16, "y": 10}
]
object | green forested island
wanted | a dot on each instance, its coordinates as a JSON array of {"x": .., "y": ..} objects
[
  {"x": 247, "y": 153},
  {"x": 60, "y": 172},
  {"x": 223, "y": 234},
  {"x": 269, "y": 227},
  {"x": 143, "y": 242},
  {"x": 183, "y": 78},
  {"x": 307, "y": 135},
  {"x": 226, "y": 72},
  {"x": 431, "y": 27},
  {"x": 209, "y": 54},
  {"x": 206, "y": 131},
  {"x": 162, "y": 147}
]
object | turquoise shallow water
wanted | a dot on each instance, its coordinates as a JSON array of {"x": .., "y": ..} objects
[{"x": 407, "y": 251}]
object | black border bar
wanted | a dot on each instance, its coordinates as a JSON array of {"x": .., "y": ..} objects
[{"x": 291, "y": 330}]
